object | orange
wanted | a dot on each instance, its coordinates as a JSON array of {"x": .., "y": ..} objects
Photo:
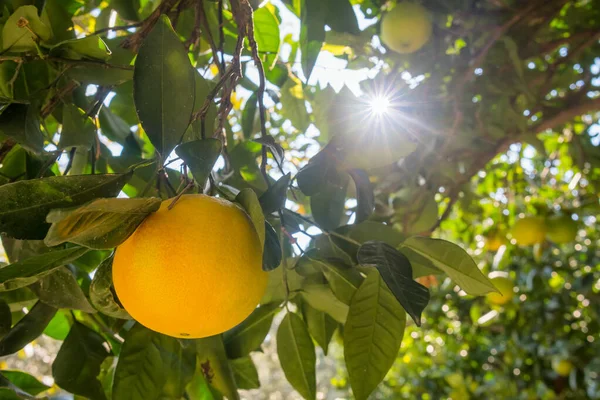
[
  {"x": 192, "y": 271},
  {"x": 494, "y": 241},
  {"x": 529, "y": 230},
  {"x": 562, "y": 367}
]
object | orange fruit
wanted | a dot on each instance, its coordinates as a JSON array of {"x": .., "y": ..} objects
[
  {"x": 192, "y": 271},
  {"x": 561, "y": 229},
  {"x": 562, "y": 367},
  {"x": 529, "y": 230}
]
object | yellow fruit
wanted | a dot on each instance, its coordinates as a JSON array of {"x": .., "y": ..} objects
[
  {"x": 561, "y": 229},
  {"x": 406, "y": 28},
  {"x": 494, "y": 241},
  {"x": 562, "y": 367},
  {"x": 505, "y": 286},
  {"x": 529, "y": 230},
  {"x": 192, "y": 271}
]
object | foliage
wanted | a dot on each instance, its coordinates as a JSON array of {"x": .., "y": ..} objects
[{"x": 492, "y": 120}]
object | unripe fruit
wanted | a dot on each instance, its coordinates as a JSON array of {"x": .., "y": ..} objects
[
  {"x": 561, "y": 229},
  {"x": 406, "y": 28},
  {"x": 529, "y": 230},
  {"x": 505, "y": 286}
]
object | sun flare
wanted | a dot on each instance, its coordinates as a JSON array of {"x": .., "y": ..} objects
[{"x": 379, "y": 105}]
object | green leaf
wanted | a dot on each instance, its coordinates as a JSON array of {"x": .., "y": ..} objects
[
  {"x": 8, "y": 394},
  {"x": 148, "y": 361},
  {"x": 25, "y": 382},
  {"x": 451, "y": 259},
  {"x": 313, "y": 178},
  {"x": 78, "y": 128},
  {"x": 5, "y": 317},
  {"x": 77, "y": 364},
  {"x": 21, "y": 123},
  {"x": 341, "y": 17},
  {"x": 27, "y": 329},
  {"x": 312, "y": 33},
  {"x": 274, "y": 147},
  {"x": 266, "y": 33},
  {"x": 100, "y": 74},
  {"x": 320, "y": 297},
  {"x": 245, "y": 373},
  {"x": 61, "y": 290},
  {"x": 90, "y": 47},
  {"x": 293, "y": 105},
  {"x": 58, "y": 14},
  {"x": 396, "y": 271},
  {"x": 30, "y": 270},
  {"x": 274, "y": 198},
  {"x": 101, "y": 293},
  {"x": 113, "y": 126},
  {"x": 200, "y": 156},
  {"x": 364, "y": 194},
  {"x": 26, "y": 203},
  {"x": 215, "y": 366},
  {"x": 164, "y": 87},
  {"x": 100, "y": 224},
  {"x": 248, "y": 336},
  {"x": 59, "y": 326},
  {"x": 249, "y": 115},
  {"x": 23, "y": 29},
  {"x": 272, "y": 253},
  {"x": 297, "y": 355},
  {"x": 249, "y": 201},
  {"x": 327, "y": 206},
  {"x": 372, "y": 335},
  {"x": 203, "y": 88},
  {"x": 127, "y": 9},
  {"x": 343, "y": 280},
  {"x": 320, "y": 325}
]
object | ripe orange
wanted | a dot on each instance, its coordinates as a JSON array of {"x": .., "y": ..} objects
[
  {"x": 406, "y": 28},
  {"x": 192, "y": 271},
  {"x": 494, "y": 241},
  {"x": 529, "y": 230}
]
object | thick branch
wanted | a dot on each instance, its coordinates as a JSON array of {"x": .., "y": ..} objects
[{"x": 568, "y": 114}]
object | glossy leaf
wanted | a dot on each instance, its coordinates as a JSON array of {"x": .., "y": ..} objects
[
  {"x": 249, "y": 115},
  {"x": 249, "y": 201},
  {"x": 328, "y": 205},
  {"x": 25, "y": 382},
  {"x": 78, "y": 128},
  {"x": 27, "y": 329},
  {"x": 245, "y": 373},
  {"x": 364, "y": 194},
  {"x": 266, "y": 33},
  {"x": 164, "y": 87},
  {"x": 248, "y": 336},
  {"x": 26, "y": 203},
  {"x": 320, "y": 325},
  {"x": 396, "y": 272},
  {"x": 272, "y": 253},
  {"x": 5, "y": 317},
  {"x": 372, "y": 335},
  {"x": 200, "y": 156},
  {"x": 343, "y": 280},
  {"x": 19, "y": 38},
  {"x": 312, "y": 33},
  {"x": 297, "y": 355},
  {"x": 61, "y": 290},
  {"x": 21, "y": 123},
  {"x": 90, "y": 47},
  {"x": 147, "y": 362},
  {"x": 30, "y": 270},
  {"x": 320, "y": 297},
  {"x": 451, "y": 259},
  {"x": 102, "y": 293},
  {"x": 215, "y": 366},
  {"x": 274, "y": 198},
  {"x": 101, "y": 224},
  {"x": 77, "y": 364}
]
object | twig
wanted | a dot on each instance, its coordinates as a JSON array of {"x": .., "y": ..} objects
[
  {"x": 118, "y": 28},
  {"x": 211, "y": 41},
  {"x": 221, "y": 35},
  {"x": 70, "y": 162},
  {"x": 185, "y": 189},
  {"x": 134, "y": 41},
  {"x": 54, "y": 100}
]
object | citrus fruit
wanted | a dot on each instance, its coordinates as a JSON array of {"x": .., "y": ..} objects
[
  {"x": 505, "y": 286},
  {"x": 406, "y": 28},
  {"x": 561, "y": 229},
  {"x": 529, "y": 230},
  {"x": 562, "y": 367},
  {"x": 192, "y": 271},
  {"x": 494, "y": 241}
]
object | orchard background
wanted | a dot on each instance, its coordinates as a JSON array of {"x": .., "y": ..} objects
[{"x": 393, "y": 180}]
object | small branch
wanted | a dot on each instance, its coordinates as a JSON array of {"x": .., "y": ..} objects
[
  {"x": 54, "y": 100},
  {"x": 117, "y": 28},
  {"x": 134, "y": 41},
  {"x": 221, "y": 35},
  {"x": 211, "y": 41},
  {"x": 185, "y": 189},
  {"x": 566, "y": 115}
]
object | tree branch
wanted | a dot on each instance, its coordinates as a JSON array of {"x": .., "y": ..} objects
[{"x": 565, "y": 115}]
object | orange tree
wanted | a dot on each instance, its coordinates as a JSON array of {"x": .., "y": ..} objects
[{"x": 485, "y": 115}]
